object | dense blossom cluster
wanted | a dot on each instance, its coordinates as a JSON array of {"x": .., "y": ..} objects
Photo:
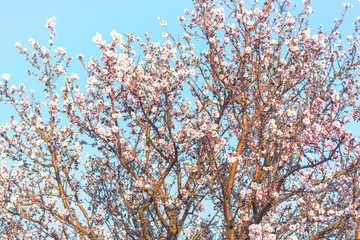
[{"x": 246, "y": 138}]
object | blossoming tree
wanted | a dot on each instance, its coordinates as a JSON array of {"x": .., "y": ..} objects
[{"x": 243, "y": 137}]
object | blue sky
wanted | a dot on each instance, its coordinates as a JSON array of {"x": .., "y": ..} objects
[{"x": 79, "y": 20}]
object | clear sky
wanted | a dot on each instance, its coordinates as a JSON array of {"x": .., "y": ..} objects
[{"x": 79, "y": 20}]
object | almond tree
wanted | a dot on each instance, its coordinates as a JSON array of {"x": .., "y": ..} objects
[{"x": 243, "y": 137}]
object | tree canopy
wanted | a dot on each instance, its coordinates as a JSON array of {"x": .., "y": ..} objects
[{"x": 236, "y": 130}]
